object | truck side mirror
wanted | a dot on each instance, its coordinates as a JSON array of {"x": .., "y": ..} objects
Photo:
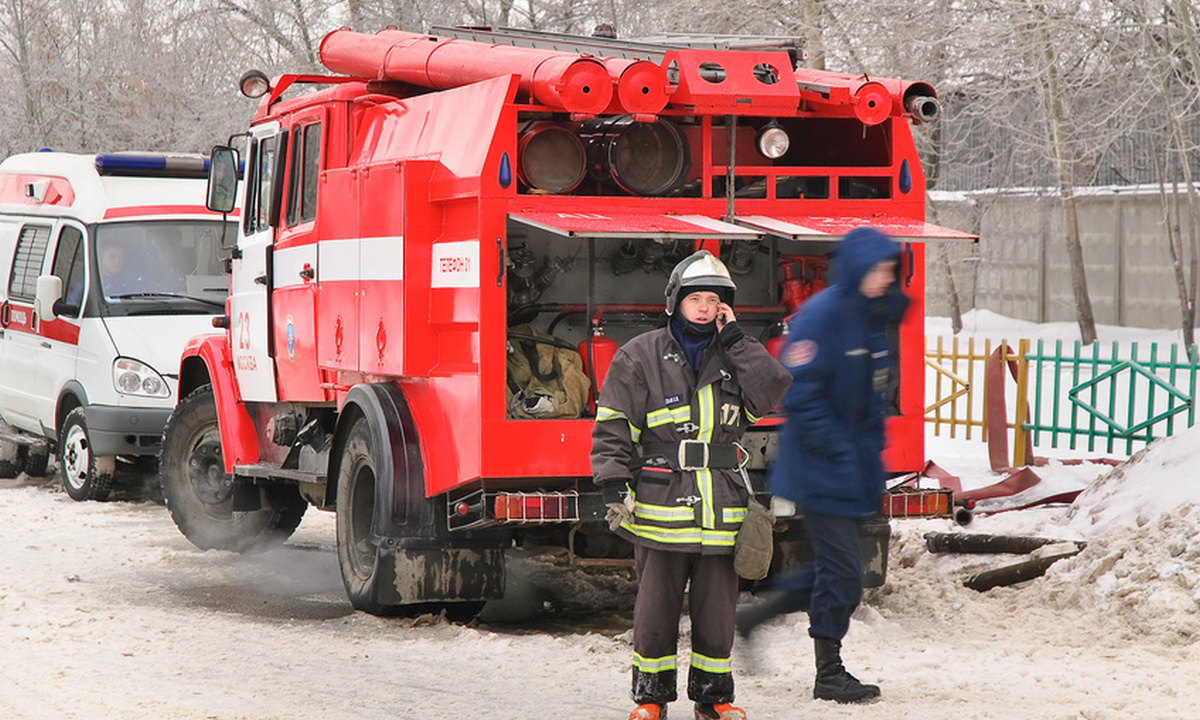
[
  {"x": 222, "y": 180},
  {"x": 48, "y": 293}
]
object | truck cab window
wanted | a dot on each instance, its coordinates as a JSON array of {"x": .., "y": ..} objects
[
  {"x": 302, "y": 180},
  {"x": 258, "y": 196}
]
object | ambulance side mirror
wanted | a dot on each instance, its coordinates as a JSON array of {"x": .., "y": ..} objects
[
  {"x": 48, "y": 293},
  {"x": 222, "y": 180}
]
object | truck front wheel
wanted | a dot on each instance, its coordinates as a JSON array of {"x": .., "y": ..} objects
[{"x": 199, "y": 493}]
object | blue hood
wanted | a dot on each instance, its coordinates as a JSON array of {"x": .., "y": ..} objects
[{"x": 857, "y": 253}]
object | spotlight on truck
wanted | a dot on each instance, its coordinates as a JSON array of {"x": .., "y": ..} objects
[{"x": 254, "y": 84}]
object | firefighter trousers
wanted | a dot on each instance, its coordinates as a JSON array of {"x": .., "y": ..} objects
[
  {"x": 712, "y": 598},
  {"x": 829, "y": 588}
]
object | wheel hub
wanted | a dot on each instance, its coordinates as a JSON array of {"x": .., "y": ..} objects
[
  {"x": 77, "y": 457},
  {"x": 206, "y": 471}
]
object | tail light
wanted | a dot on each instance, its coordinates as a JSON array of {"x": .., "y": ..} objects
[
  {"x": 535, "y": 507},
  {"x": 906, "y": 502},
  {"x": 489, "y": 508}
]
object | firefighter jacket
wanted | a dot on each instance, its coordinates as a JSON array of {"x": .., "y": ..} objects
[
  {"x": 841, "y": 363},
  {"x": 650, "y": 401}
]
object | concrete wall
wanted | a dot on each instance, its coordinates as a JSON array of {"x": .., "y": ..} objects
[{"x": 1020, "y": 269}]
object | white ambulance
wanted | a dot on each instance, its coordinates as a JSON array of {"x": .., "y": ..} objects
[{"x": 108, "y": 265}]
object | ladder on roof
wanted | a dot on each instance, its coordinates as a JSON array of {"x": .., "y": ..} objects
[{"x": 650, "y": 48}]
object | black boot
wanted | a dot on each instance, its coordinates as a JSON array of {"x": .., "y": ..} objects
[
  {"x": 751, "y": 616},
  {"x": 833, "y": 682}
]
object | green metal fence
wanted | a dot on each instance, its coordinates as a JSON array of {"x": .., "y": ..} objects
[
  {"x": 1102, "y": 398},
  {"x": 1112, "y": 397}
]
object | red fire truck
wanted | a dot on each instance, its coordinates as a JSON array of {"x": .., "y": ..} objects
[{"x": 439, "y": 241}]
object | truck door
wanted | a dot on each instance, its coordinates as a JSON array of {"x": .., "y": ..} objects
[
  {"x": 250, "y": 301},
  {"x": 23, "y": 347}
]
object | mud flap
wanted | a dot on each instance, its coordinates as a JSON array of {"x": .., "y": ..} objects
[
  {"x": 419, "y": 575},
  {"x": 793, "y": 549}
]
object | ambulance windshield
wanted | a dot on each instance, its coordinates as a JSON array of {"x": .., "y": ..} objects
[{"x": 173, "y": 266}]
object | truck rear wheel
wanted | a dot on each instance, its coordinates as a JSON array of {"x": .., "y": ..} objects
[
  {"x": 199, "y": 493},
  {"x": 358, "y": 552},
  {"x": 412, "y": 574},
  {"x": 85, "y": 476}
]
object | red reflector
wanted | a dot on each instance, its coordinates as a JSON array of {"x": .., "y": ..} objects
[{"x": 462, "y": 509}]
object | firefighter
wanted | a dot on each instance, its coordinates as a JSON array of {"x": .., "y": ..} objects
[
  {"x": 673, "y": 404},
  {"x": 829, "y": 454}
]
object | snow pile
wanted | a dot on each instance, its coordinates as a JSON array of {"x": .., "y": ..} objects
[{"x": 1142, "y": 525}]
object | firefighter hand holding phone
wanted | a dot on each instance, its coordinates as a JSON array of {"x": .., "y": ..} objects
[{"x": 674, "y": 404}]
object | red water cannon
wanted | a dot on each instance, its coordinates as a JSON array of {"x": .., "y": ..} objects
[
  {"x": 871, "y": 100},
  {"x": 566, "y": 81}
]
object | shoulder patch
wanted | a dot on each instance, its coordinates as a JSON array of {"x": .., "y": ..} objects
[{"x": 800, "y": 354}]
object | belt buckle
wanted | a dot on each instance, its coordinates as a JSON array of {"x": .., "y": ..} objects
[{"x": 684, "y": 464}]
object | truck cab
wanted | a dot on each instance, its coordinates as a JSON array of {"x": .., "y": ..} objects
[{"x": 108, "y": 264}]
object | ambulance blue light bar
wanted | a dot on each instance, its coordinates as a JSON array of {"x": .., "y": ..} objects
[{"x": 152, "y": 165}]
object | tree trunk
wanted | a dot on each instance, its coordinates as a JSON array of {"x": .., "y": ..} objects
[
  {"x": 1064, "y": 158},
  {"x": 1192, "y": 48}
]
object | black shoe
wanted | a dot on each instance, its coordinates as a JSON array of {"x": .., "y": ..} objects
[{"x": 833, "y": 681}]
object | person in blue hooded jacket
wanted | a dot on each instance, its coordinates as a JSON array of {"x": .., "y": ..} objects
[{"x": 829, "y": 461}]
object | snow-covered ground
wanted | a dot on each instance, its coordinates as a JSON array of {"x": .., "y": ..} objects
[{"x": 107, "y": 612}]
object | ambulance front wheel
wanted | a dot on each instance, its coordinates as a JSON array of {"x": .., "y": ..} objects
[
  {"x": 200, "y": 494},
  {"x": 86, "y": 476}
]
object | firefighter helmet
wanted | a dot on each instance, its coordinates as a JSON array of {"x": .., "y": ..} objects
[{"x": 699, "y": 271}]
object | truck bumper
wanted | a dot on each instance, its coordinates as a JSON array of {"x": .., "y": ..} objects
[{"x": 125, "y": 431}]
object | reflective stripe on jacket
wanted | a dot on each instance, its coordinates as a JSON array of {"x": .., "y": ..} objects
[{"x": 651, "y": 396}]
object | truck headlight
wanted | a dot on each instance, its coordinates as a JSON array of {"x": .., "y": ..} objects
[{"x": 131, "y": 377}]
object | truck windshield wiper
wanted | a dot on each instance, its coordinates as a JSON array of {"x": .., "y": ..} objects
[{"x": 181, "y": 296}]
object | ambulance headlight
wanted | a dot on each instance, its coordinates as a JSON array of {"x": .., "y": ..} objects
[
  {"x": 773, "y": 141},
  {"x": 135, "y": 378}
]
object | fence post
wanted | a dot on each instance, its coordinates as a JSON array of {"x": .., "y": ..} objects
[{"x": 1021, "y": 451}]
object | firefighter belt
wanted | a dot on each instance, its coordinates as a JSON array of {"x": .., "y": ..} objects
[{"x": 696, "y": 455}]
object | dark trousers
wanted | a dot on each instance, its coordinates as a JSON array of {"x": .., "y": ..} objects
[
  {"x": 829, "y": 588},
  {"x": 712, "y": 598}
]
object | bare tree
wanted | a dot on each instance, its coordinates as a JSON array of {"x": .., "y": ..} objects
[
  {"x": 1177, "y": 69},
  {"x": 1064, "y": 153}
]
